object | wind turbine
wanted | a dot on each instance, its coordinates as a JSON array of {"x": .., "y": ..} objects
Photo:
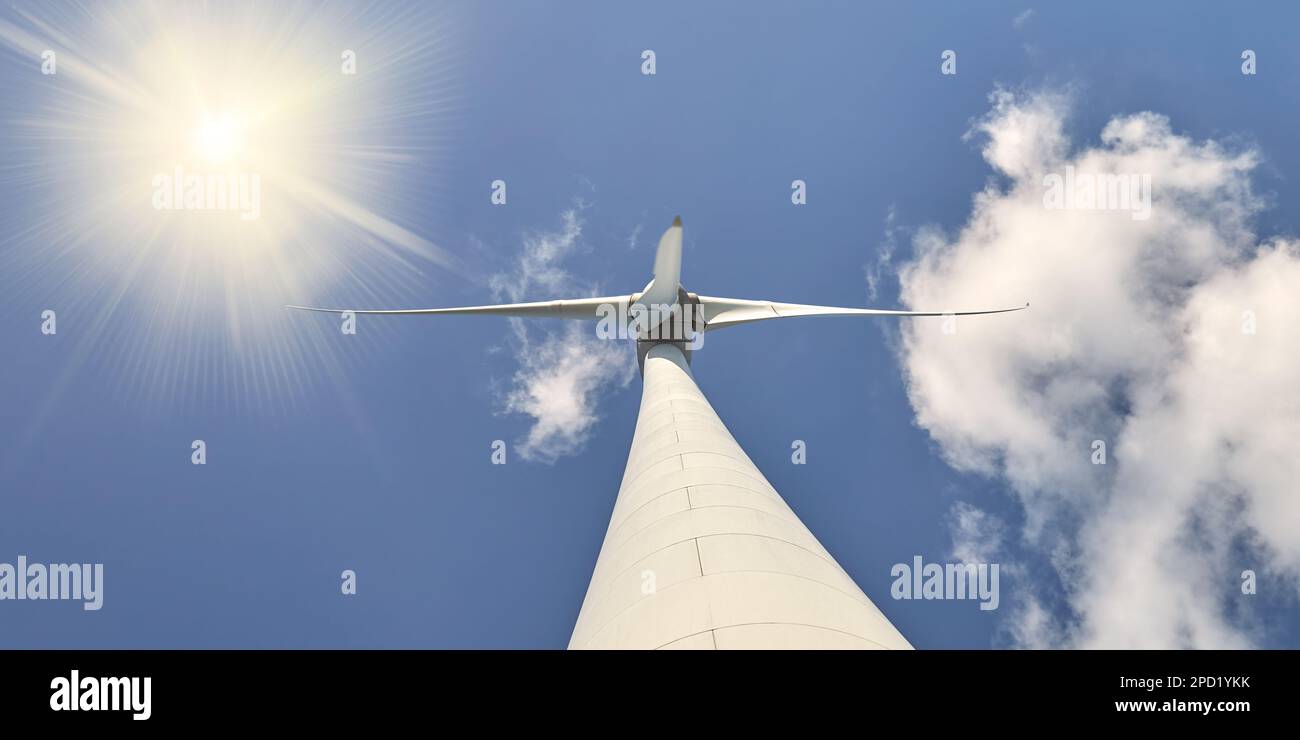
[{"x": 701, "y": 551}]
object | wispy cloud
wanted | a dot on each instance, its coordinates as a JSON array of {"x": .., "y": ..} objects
[
  {"x": 877, "y": 270},
  {"x": 539, "y": 268},
  {"x": 562, "y": 372},
  {"x": 1173, "y": 341},
  {"x": 634, "y": 236},
  {"x": 976, "y": 534},
  {"x": 1021, "y": 20}
]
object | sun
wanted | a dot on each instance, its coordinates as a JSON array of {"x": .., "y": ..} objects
[
  {"x": 211, "y": 164},
  {"x": 218, "y": 139}
]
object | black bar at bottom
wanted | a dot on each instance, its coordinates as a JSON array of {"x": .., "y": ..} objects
[{"x": 210, "y": 689}]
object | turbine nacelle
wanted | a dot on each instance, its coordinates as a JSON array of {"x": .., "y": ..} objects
[{"x": 680, "y": 322}]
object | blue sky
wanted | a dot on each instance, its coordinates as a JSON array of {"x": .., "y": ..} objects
[{"x": 373, "y": 453}]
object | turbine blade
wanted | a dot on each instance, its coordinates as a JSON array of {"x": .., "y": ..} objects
[
  {"x": 662, "y": 291},
  {"x": 580, "y": 308},
  {"x": 722, "y": 312}
]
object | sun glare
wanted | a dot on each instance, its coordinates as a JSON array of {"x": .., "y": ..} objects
[{"x": 219, "y": 139}]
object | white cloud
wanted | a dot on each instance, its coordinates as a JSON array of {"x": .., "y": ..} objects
[
  {"x": 1135, "y": 337},
  {"x": 1021, "y": 20},
  {"x": 563, "y": 370},
  {"x": 559, "y": 382}
]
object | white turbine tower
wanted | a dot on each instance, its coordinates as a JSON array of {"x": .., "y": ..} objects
[{"x": 701, "y": 551}]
